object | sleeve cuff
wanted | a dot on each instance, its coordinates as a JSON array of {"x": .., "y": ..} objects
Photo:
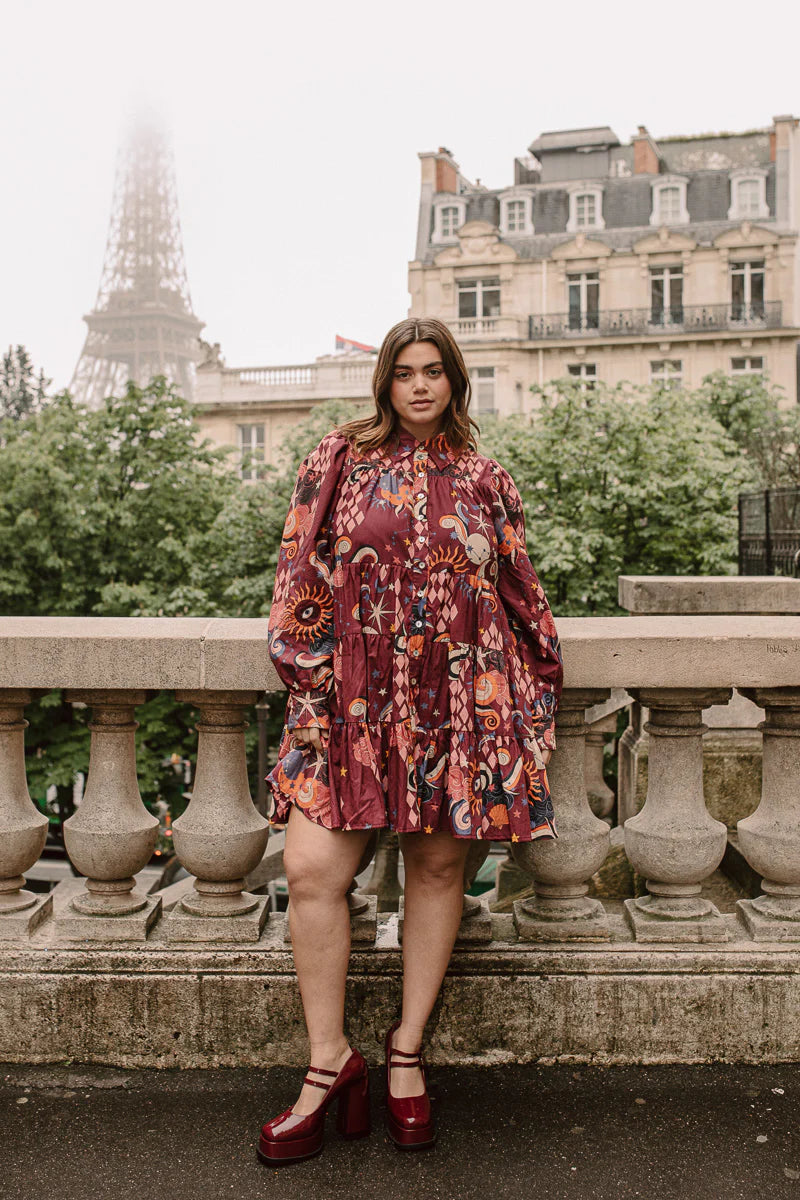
[
  {"x": 544, "y": 734},
  {"x": 308, "y": 708}
]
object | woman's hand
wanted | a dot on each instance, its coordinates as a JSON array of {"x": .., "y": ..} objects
[
  {"x": 310, "y": 735},
  {"x": 546, "y": 754}
]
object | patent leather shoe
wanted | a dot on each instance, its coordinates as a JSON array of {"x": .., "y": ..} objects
[
  {"x": 408, "y": 1118},
  {"x": 292, "y": 1137}
]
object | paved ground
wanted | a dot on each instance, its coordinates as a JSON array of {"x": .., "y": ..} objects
[{"x": 555, "y": 1133}]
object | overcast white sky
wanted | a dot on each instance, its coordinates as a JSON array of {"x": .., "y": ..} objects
[{"x": 296, "y": 129}]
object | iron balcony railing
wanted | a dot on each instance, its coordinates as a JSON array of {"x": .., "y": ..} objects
[
  {"x": 769, "y": 532},
  {"x": 619, "y": 322}
]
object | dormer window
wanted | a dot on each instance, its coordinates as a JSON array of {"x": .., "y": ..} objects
[
  {"x": 585, "y": 208},
  {"x": 448, "y": 217},
  {"x": 669, "y": 201},
  {"x": 516, "y": 215},
  {"x": 748, "y": 195}
]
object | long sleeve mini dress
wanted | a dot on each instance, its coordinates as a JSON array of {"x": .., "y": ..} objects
[{"x": 408, "y": 622}]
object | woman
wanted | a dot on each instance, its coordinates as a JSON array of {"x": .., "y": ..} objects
[{"x": 424, "y": 672}]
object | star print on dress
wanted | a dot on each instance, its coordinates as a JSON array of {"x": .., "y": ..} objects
[{"x": 408, "y": 621}]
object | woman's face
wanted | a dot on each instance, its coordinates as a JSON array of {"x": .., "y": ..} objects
[{"x": 420, "y": 391}]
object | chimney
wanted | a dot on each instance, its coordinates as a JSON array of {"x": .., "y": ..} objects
[
  {"x": 440, "y": 170},
  {"x": 646, "y": 158}
]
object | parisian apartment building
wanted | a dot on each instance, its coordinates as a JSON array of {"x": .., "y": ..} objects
[
  {"x": 647, "y": 262},
  {"x": 652, "y": 262}
]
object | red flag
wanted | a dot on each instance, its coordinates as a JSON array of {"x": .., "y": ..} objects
[{"x": 343, "y": 343}]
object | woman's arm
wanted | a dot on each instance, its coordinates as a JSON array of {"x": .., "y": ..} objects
[
  {"x": 300, "y": 626},
  {"x": 529, "y": 616}
]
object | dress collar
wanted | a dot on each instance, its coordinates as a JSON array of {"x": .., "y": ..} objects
[{"x": 436, "y": 445}]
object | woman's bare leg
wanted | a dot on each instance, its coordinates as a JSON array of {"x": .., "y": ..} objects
[
  {"x": 434, "y": 897},
  {"x": 320, "y": 865}
]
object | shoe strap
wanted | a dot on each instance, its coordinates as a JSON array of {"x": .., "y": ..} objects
[
  {"x": 395, "y": 1065},
  {"x": 321, "y": 1071},
  {"x": 405, "y": 1053}
]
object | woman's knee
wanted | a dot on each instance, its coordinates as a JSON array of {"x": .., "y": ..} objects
[
  {"x": 438, "y": 871},
  {"x": 309, "y": 875}
]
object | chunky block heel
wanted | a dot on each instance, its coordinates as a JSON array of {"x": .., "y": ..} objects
[
  {"x": 353, "y": 1119},
  {"x": 291, "y": 1137}
]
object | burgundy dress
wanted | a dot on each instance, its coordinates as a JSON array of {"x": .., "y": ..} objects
[{"x": 408, "y": 621}]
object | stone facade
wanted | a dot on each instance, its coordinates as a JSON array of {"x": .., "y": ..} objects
[
  {"x": 253, "y": 408},
  {"x": 642, "y": 262}
]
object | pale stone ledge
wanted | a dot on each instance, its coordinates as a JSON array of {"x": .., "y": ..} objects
[
  {"x": 232, "y": 655},
  {"x": 709, "y": 594}
]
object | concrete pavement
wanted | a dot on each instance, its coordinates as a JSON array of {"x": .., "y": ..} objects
[{"x": 721, "y": 1132}]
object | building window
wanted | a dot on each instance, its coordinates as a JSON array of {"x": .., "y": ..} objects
[
  {"x": 666, "y": 296},
  {"x": 251, "y": 451},
  {"x": 748, "y": 195},
  {"x": 666, "y": 372},
  {"x": 747, "y": 291},
  {"x": 448, "y": 217},
  {"x": 669, "y": 202},
  {"x": 516, "y": 214},
  {"x": 483, "y": 390},
  {"x": 750, "y": 364},
  {"x": 449, "y": 220},
  {"x": 584, "y": 300},
  {"x": 585, "y": 209},
  {"x": 585, "y": 372},
  {"x": 478, "y": 298}
]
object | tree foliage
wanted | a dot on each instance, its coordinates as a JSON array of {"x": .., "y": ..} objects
[
  {"x": 125, "y": 511},
  {"x": 22, "y": 391},
  {"x": 764, "y": 431},
  {"x": 617, "y": 480}
]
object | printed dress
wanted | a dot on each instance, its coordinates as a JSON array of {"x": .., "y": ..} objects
[{"x": 408, "y": 622}]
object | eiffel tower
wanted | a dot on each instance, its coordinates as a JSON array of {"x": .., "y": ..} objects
[{"x": 142, "y": 323}]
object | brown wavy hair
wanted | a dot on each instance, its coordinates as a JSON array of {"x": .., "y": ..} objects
[{"x": 370, "y": 433}]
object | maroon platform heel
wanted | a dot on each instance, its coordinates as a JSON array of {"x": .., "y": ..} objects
[
  {"x": 291, "y": 1137},
  {"x": 408, "y": 1119}
]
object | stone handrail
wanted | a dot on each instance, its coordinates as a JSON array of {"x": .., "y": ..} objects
[{"x": 675, "y": 666}]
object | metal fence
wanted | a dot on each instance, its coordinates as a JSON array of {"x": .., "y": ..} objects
[{"x": 769, "y": 532}]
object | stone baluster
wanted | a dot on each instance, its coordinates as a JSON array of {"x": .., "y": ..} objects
[
  {"x": 384, "y": 882},
  {"x": 770, "y": 837},
  {"x": 112, "y": 835},
  {"x": 23, "y": 829},
  {"x": 221, "y": 836},
  {"x": 601, "y": 797},
  {"x": 561, "y": 910},
  {"x": 674, "y": 842}
]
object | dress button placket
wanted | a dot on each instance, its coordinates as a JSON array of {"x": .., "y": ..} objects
[{"x": 420, "y": 529}]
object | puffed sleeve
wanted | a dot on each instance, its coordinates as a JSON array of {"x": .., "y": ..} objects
[
  {"x": 300, "y": 626},
  {"x": 528, "y": 613}
]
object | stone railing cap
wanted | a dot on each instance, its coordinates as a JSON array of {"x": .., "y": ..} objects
[
  {"x": 709, "y": 594},
  {"x": 231, "y": 654}
]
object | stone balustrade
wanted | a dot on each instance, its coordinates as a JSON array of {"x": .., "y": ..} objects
[{"x": 140, "y": 978}]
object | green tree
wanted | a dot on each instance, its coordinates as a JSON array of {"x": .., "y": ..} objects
[
  {"x": 124, "y": 511},
  {"x": 22, "y": 391},
  {"x": 764, "y": 431},
  {"x": 619, "y": 481}
]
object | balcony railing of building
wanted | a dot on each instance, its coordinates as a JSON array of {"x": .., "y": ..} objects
[
  {"x": 674, "y": 666},
  {"x": 500, "y": 328},
  {"x": 303, "y": 376},
  {"x": 623, "y": 322},
  {"x": 275, "y": 376}
]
